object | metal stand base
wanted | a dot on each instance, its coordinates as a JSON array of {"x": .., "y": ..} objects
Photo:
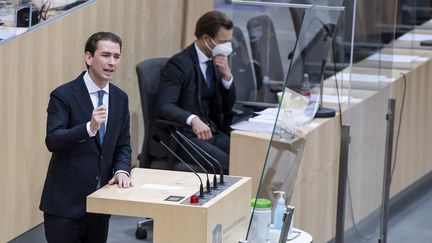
[{"x": 325, "y": 113}]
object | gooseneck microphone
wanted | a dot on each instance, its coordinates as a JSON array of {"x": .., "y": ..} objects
[
  {"x": 191, "y": 144},
  {"x": 221, "y": 175},
  {"x": 168, "y": 131},
  {"x": 158, "y": 140}
]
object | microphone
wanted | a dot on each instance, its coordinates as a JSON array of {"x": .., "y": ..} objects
[
  {"x": 168, "y": 131},
  {"x": 191, "y": 144},
  {"x": 221, "y": 175},
  {"x": 329, "y": 28},
  {"x": 158, "y": 140}
]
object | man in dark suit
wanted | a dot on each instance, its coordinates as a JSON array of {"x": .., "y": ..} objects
[
  {"x": 88, "y": 135},
  {"x": 197, "y": 87}
]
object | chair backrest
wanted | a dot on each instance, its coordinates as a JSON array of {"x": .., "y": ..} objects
[
  {"x": 148, "y": 72},
  {"x": 241, "y": 67},
  {"x": 265, "y": 49}
]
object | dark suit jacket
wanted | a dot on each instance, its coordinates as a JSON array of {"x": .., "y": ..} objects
[
  {"x": 180, "y": 90},
  {"x": 78, "y": 160}
]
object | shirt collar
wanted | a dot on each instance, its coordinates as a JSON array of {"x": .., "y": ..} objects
[
  {"x": 202, "y": 58},
  {"x": 91, "y": 86}
]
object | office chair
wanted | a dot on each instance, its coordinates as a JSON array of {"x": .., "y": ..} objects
[
  {"x": 153, "y": 155},
  {"x": 148, "y": 73},
  {"x": 265, "y": 49},
  {"x": 242, "y": 68},
  {"x": 311, "y": 50},
  {"x": 244, "y": 75}
]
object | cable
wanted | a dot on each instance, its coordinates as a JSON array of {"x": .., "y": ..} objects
[
  {"x": 337, "y": 85},
  {"x": 340, "y": 123},
  {"x": 356, "y": 230},
  {"x": 399, "y": 126},
  {"x": 351, "y": 207}
]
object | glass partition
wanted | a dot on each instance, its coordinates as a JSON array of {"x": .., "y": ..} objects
[
  {"x": 17, "y": 16},
  {"x": 373, "y": 78},
  {"x": 290, "y": 48}
]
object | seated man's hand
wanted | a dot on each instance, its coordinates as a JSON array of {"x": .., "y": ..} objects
[
  {"x": 222, "y": 62},
  {"x": 122, "y": 179},
  {"x": 201, "y": 130}
]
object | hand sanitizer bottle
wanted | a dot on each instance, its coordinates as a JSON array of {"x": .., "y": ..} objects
[{"x": 279, "y": 211}]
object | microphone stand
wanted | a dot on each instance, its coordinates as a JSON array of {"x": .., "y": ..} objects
[
  {"x": 193, "y": 158},
  {"x": 324, "y": 112},
  {"x": 194, "y": 147},
  {"x": 201, "y": 189},
  {"x": 221, "y": 174}
]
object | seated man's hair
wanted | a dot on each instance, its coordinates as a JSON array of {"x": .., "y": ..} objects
[{"x": 211, "y": 22}]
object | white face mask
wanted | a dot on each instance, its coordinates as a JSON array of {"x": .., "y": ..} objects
[{"x": 221, "y": 49}]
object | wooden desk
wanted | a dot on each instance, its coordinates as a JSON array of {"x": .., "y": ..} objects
[
  {"x": 177, "y": 222},
  {"x": 315, "y": 191}
]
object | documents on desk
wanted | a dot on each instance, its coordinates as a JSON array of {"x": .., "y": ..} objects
[
  {"x": 396, "y": 58},
  {"x": 342, "y": 99},
  {"x": 415, "y": 37},
  {"x": 263, "y": 123},
  {"x": 8, "y": 32},
  {"x": 296, "y": 111},
  {"x": 361, "y": 77}
]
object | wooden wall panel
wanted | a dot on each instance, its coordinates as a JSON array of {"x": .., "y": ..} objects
[
  {"x": 33, "y": 64},
  {"x": 193, "y": 9}
]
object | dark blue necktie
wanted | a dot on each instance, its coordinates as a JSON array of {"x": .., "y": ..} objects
[
  {"x": 102, "y": 125},
  {"x": 209, "y": 73}
]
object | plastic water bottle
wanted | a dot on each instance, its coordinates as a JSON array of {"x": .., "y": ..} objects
[
  {"x": 261, "y": 221},
  {"x": 305, "y": 89},
  {"x": 279, "y": 211}
]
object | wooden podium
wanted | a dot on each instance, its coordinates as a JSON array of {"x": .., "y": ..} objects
[{"x": 223, "y": 218}]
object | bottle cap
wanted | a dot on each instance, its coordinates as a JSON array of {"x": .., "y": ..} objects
[{"x": 261, "y": 203}]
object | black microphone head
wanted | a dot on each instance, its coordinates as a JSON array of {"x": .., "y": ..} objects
[
  {"x": 156, "y": 138},
  {"x": 330, "y": 29},
  {"x": 167, "y": 130},
  {"x": 172, "y": 128}
]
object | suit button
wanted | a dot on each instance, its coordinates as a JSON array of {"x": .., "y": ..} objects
[
  {"x": 101, "y": 157},
  {"x": 97, "y": 178}
]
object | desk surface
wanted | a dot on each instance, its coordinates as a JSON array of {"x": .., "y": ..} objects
[{"x": 154, "y": 186}]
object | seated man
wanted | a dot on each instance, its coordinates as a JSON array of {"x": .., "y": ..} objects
[{"x": 197, "y": 89}]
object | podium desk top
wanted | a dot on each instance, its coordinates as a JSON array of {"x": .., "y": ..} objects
[{"x": 155, "y": 186}]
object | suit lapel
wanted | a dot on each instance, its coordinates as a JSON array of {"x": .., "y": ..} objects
[
  {"x": 82, "y": 97},
  {"x": 200, "y": 81},
  {"x": 192, "y": 52}
]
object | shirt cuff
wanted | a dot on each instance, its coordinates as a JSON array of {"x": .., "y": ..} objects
[
  {"x": 189, "y": 119},
  {"x": 227, "y": 83},
  {"x": 121, "y": 171},
  {"x": 89, "y": 130}
]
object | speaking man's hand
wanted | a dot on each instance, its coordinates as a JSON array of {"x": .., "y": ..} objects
[{"x": 98, "y": 117}]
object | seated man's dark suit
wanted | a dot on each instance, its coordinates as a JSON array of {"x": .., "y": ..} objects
[
  {"x": 183, "y": 92},
  {"x": 79, "y": 161}
]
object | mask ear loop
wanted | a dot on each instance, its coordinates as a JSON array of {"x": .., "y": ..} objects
[{"x": 205, "y": 42}]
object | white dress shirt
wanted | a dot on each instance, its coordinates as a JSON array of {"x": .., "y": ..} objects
[
  {"x": 93, "y": 89},
  {"x": 93, "y": 92}
]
